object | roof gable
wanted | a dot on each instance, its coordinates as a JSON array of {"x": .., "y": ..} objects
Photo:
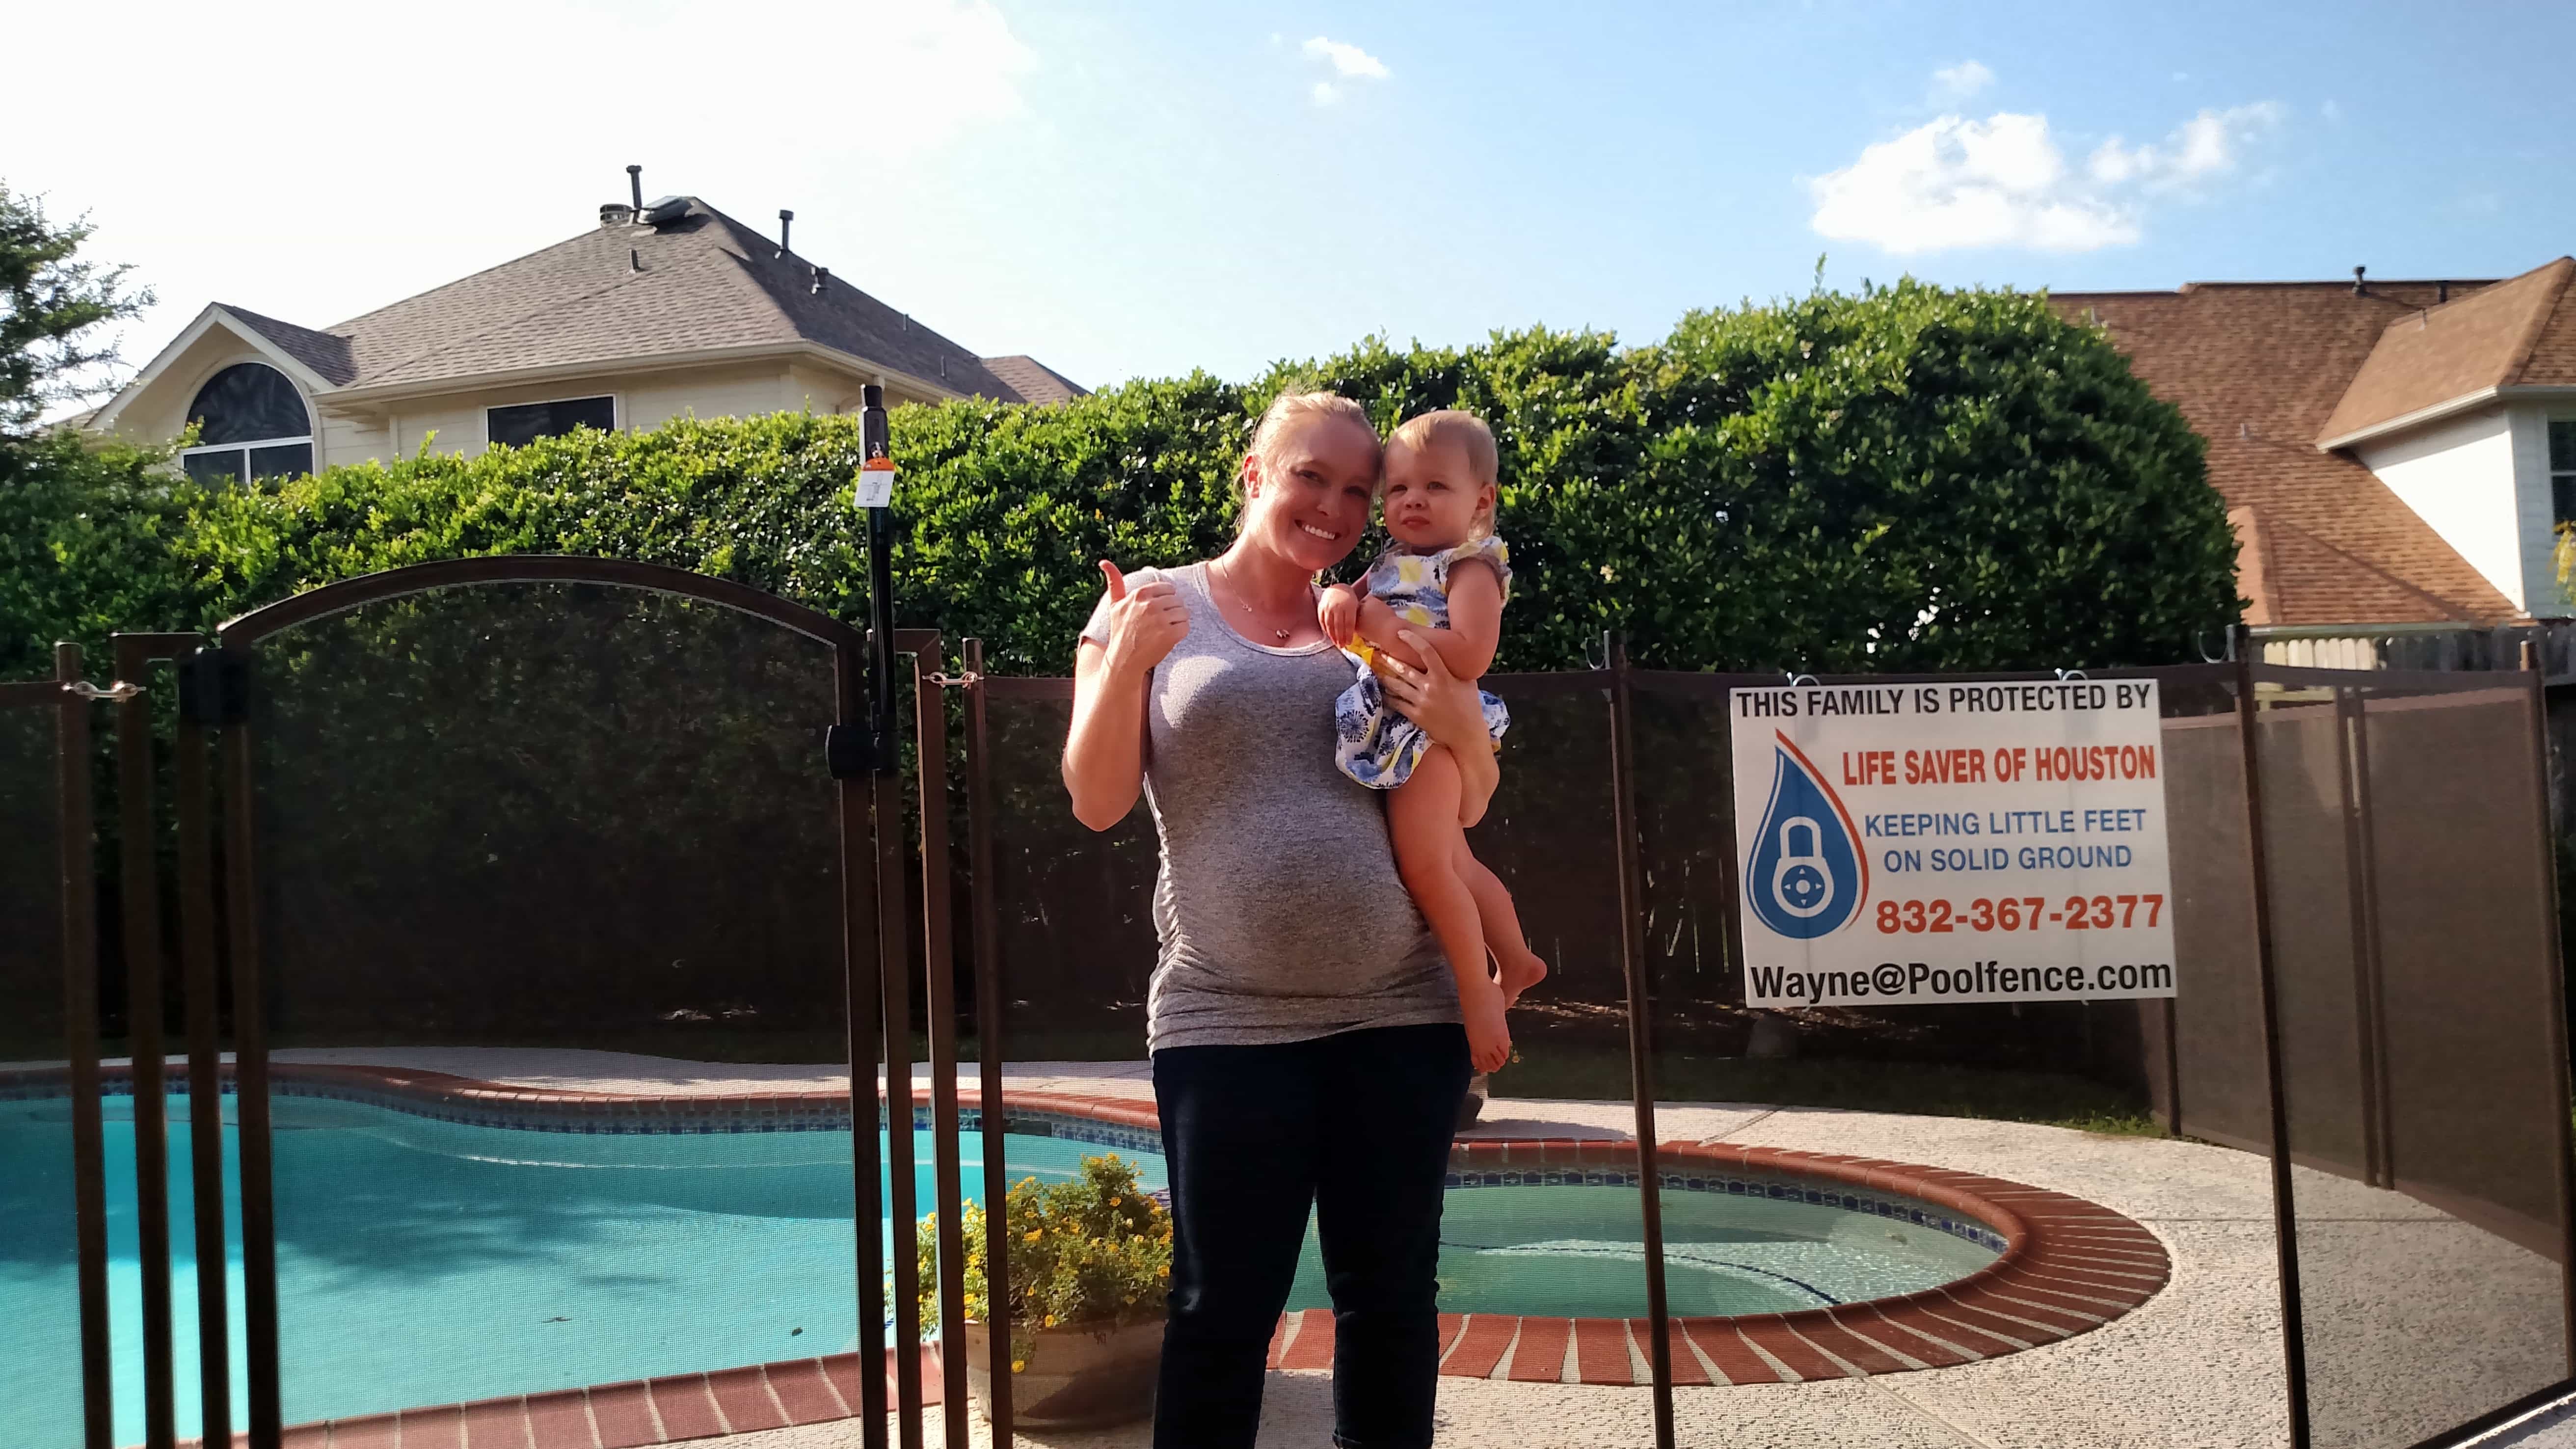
[
  {"x": 327, "y": 355},
  {"x": 304, "y": 361},
  {"x": 2257, "y": 368},
  {"x": 2459, "y": 350}
]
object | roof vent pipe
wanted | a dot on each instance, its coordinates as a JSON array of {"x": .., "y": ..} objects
[
  {"x": 2358, "y": 289},
  {"x": 786, "y": 219},
  {"x": 634, "y": 260},
  {"x": 635, "y": 185},
  {"x": 822, "y": 279},
  {"x": 2441, "y": 293}
]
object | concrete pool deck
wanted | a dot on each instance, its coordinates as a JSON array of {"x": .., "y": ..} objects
[{"x": 2198, "y": 1366}]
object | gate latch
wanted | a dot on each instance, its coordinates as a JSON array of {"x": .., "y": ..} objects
[{"x": 117, "y": 693}]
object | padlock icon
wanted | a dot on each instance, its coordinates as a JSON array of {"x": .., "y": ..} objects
[{"x": 1799, "y": 880}]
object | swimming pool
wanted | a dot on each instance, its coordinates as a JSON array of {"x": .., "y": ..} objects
[
  {"x": 425, "y": 1261},
  {"x": 428, "y": 1262}
]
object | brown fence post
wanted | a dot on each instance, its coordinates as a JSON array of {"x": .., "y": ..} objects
[
  {"x": 2555, "y": 969},
  {"x": 993, "y": 1117},
  {"x": 78, "y": 892},
  {"x": 939, "y": 963},
  {"x": 2370, "y": 988},
  {"x": 1641, "y": 1076},
  {"x": 2285, "y": 1228},
  {"x": 188, "y": 749},
  {"x": 862, "y": 990},
  {"x": 264, "y": 1411},
  {"x": 138, "y": 888},
  {"x": 894, "y": 966}
]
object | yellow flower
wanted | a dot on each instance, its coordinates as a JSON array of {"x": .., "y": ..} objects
[
  {"x": 1113, "y": 1202},
  {"x": 1034, "y": 1235},
  {"x": 1019, "y": 1365},
  {"x": 1050, "y": 1320}
]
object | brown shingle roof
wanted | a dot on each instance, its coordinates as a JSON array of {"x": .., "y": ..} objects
[
  {"x": 2257, "y": 368},
  {"x": 1033, "y": 380},
  {"x": 705, "y": 281},
  {"x": 2452, "y": 350},
  {"x": 2552, "y": 359},
  {"x": 327, "y": 355}
]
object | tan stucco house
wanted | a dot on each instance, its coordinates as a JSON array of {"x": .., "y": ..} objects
[{"x": 664, "y": 311}]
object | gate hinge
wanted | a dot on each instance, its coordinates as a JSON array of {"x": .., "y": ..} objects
[
  {"x": 214, "y": 688},
  {"x": 852, "y": 751}
]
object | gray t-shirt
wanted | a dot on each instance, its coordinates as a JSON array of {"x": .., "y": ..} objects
[{"x": 1278, "y": 907}]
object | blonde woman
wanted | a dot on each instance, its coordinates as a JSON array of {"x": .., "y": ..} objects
[{"x": 1304, "y": 1025}]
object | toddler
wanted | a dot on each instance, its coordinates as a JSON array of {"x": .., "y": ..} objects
[{"x": 1444, "y": 577}]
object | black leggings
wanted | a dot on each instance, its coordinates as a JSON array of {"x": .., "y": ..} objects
[{"x": 1358, "y": 1124}]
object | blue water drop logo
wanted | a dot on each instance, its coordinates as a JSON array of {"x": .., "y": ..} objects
[{"x": 1806, "y": 877}]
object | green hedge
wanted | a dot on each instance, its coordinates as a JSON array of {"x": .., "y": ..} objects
[{"x": 1912, "y": 477}]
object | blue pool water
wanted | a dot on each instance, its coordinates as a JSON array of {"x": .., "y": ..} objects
[{"x": 425, "y": 1262}]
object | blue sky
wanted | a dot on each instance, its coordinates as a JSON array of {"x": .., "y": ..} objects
[{"x": 1143, "y": 188}]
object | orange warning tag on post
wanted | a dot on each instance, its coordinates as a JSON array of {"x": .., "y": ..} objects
[{"x": 876, "y": 483}]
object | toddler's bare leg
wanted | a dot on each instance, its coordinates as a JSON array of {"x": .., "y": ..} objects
[
  {"x": 1422, "y": 823},
  {"x": 1501, "y": 920}
]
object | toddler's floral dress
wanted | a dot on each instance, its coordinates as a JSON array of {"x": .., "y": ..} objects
[{"x": 1376, "y": 745}]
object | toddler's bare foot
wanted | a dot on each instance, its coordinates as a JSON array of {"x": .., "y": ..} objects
[{"x": 1521, "y": 970}]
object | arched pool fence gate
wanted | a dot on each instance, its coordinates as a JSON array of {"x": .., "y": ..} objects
[{"x": 648, "y": 760}]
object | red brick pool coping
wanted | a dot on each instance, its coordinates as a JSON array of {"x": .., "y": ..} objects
[{"x": 2068, "y": 1266}]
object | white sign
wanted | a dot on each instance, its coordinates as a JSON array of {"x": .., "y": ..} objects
[
  {"x": 1911, "y": 843},
  {"x": 876, "y": 483}
]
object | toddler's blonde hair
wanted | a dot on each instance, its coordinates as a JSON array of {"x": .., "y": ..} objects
[{"x": 1472, "y": 439}]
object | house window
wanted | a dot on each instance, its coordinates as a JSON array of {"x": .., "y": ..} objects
[
  {"x": 2562, "y": 468},
  {"x": 527, "y": 422},
  {"x": 251, "y": 423}
]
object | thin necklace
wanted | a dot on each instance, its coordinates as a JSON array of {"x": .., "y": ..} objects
[{"x": 1245, "y": 604}]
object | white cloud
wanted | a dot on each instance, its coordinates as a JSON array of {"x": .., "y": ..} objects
[
  {"x": 2330, "y": 110},
  {"x": 1326, "y": 93},
  {"x": 1347, "y": 60},
  {"x": 1963, "y": 183},
  {"x": 2209, "y": 144},
  {"x": 2005, "y": 182},
  {"x": 1958, "y": 82}
]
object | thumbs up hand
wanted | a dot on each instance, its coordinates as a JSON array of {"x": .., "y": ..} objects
[{"x": 1144, "y": 623}]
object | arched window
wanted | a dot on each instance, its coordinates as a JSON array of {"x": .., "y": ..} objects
[{"x": 252, "y": 424}]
